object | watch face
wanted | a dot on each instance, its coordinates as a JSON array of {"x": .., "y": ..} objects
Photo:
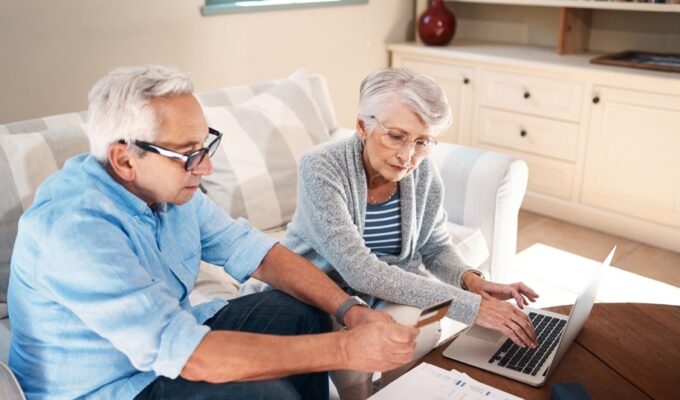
[{"x": 360, "y": 300}]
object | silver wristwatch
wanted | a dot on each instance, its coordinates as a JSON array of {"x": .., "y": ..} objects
[{"x": 346, "y": 305}]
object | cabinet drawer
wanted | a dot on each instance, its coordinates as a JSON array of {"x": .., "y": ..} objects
[
  {"x": 546, "y": 176},
  {"x": 536, "y": 135},
  {"x": 545, "y": 97}
]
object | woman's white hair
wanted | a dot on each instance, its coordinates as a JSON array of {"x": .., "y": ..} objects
[
  {"x": 420, "y": 93},
  {"x": 120, "y": 105}
]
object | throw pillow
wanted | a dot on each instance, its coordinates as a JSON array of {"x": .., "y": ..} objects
[
  {"x": 25, "y": 161},
  {"x": 59, "y": 121},
  {"x": 255, "y": 167},
  {"x": 234, "y": 95}
]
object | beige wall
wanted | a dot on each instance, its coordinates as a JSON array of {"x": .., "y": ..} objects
[{"x": 51, "y": 52}]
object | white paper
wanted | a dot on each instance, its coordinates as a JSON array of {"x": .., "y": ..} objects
[{"x": 427, "y": 381}]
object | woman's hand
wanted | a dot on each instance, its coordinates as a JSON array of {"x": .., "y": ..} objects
[
  {"x": 518, "y": 291},
  {"x": 501, "y": 316},
  {"x": 508, "y": 319}
]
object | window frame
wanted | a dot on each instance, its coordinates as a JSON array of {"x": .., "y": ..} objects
[{"x": 216, "y": 7}]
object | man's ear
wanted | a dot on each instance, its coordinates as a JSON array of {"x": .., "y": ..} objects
[{"x": 121, "y": 162}]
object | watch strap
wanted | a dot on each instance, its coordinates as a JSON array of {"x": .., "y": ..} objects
[
  {"x": 345, "y": 306},
  {"x": 471, "y": 271}
]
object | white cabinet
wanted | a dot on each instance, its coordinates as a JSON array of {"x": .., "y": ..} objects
[
  {"x": 633, "y": 155},
  {"x": 536, "y": 119},
  {"x": 612, "y": 164},
  {"x": 457, "y": 82}
]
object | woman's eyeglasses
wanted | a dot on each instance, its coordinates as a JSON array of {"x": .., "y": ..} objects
[{"x": 397, "y": 140}]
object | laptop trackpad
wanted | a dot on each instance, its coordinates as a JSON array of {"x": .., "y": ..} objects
[{"x": 483, "y": 333}]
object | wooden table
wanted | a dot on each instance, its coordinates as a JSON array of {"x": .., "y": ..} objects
[{"x": 625, "y": 351}]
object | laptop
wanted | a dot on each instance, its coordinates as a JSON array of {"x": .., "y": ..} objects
[{"x": 492, "y": 351}]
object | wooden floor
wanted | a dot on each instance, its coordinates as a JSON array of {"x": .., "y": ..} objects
[{"x": 642, "y": 259}]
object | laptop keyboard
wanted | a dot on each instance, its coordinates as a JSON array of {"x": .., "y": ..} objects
[{"x": 527, "y": 360}]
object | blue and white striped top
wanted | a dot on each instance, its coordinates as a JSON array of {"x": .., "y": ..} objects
[{"x": 382, "y": 231}]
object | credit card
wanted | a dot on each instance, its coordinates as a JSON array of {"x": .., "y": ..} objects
[{"x": 433, "y": 313}]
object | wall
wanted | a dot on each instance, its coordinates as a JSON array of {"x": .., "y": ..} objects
[{"x": 53, "y": 51}]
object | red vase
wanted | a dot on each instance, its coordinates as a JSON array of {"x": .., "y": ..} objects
[{"x": 437, "y": 25}]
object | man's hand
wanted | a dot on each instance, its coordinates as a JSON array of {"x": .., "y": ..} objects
[
  {"x": 357, "y": 316},
  {"x": 508, "y": 319},
  {"x": 518, "y": 291},
  {"x": 378, "y": 346}
]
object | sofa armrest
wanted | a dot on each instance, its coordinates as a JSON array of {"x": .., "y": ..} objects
[
  {"x": 484, "y": 189},
  {"x": 9, "y": 387}
]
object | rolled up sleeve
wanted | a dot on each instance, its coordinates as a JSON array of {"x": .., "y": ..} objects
[
  {"x": 178, "y": 341},
  {"x": 231, "y": 243}
]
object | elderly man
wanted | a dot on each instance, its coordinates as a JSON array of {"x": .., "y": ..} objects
[{"x": 110, "y": 249}]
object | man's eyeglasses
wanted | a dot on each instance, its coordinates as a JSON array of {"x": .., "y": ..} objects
[
  {"x": 191, "y": 160},
  {"x": 396, "y": 141}
]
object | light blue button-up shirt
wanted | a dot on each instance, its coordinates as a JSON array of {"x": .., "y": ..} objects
[{"x": 98, "y": 293}]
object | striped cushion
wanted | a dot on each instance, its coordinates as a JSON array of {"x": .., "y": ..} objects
[
  {"x": 255, "y": 167},
  {"x": 25, "y": 161},
  {"x": 234, "y": 95},
  {"x": 41, "y": 124}
]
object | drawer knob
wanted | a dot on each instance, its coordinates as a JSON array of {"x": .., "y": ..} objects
[
  {"x": 596, "y": 99},
  {"x": 527, "y": 95},
  {"x": 466, "y": 81},
  {"x": 523, "y": 133}
]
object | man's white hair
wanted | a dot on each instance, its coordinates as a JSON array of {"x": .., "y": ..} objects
[
  {"x": 420, "y": 93},
  {"x": 120, "y": 105}
]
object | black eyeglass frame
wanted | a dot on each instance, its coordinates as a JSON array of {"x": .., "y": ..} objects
[{"x": 189, "y": 159}]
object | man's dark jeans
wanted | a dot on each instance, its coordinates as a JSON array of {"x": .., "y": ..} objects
[{"x": 270, "y": 312}]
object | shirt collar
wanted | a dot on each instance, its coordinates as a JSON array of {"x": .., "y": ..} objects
[{"x": 116, "y": 191}]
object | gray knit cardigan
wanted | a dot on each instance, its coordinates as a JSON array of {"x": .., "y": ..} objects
[{"x": 328, "y": 224}]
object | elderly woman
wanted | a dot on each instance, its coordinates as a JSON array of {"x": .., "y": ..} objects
[{"x": 370, "y": 215}]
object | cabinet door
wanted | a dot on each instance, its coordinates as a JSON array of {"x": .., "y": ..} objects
[
  {"x": 457, "y": 82},
  {"x": 633, "y": 155},
  {"x": 546, "y": 176}
]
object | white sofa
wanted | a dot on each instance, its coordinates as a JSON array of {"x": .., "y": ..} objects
[{"x": 267, "y": 126}]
